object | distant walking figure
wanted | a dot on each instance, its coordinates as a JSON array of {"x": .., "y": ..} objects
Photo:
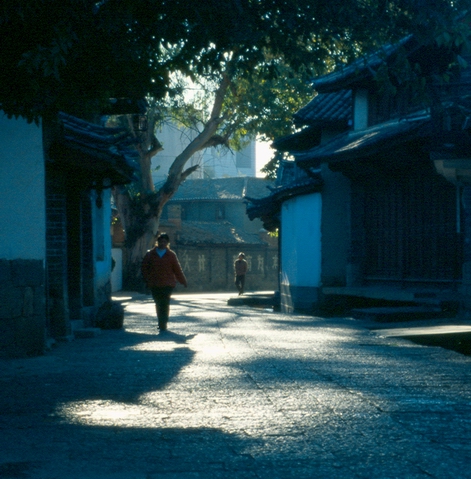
[
  {"x": 240, "y": 269},
  {"x": 161, "y": 270}
]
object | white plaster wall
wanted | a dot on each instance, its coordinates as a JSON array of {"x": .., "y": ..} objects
[
  {"x": 22, "y": 190},
  {"x": 301, "y": 241},
  {"x": 102, "y": 240},
  {"x": 117, "y": 273}
]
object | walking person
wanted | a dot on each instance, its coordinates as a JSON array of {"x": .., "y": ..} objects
[
  {"x": 240, "y": 270},
  {"x": 161, "y": 270}
]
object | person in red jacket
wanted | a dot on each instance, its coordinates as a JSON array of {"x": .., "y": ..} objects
[{"x": 161, "y": 270}]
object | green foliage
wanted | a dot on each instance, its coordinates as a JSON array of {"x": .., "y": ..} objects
[
  {"x": 270, "y": 168},
  {"x": 265, "y": 106},
  {"x": 74, "y": 55},
  {"x": 255, "y": 106}
]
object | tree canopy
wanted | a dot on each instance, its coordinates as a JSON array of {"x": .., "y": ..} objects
[
  {"x": 254, "y": 57},
  {"x": 74, "y": 55}
]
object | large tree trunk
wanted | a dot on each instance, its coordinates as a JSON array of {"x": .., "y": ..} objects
[
  {"x": 140, "y": 229},
  {"x": 140, "y": 214}
]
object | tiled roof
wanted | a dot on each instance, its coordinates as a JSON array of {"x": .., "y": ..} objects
[
  {"x": 292, "y": 181},
  {"x": 235, "y": 188},
  {"x": 205, "y": 232},
  {"x": 363, "y": 143},
  {"x": 362, "y": 69},
  {"x": 289, "y": 173},
  {"x": 333, "y": 107},
  {"x": 302, "y": 140},
  {"x": 326, "y": 109},
  {"x": 109, "y": 152}
]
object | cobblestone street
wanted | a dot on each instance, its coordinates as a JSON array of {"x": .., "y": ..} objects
[{"x": 236, "y": 392}]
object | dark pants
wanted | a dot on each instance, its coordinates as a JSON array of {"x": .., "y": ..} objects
[
  {"x": 240, "y": 282},
  {"x": 162, "y": 304}
]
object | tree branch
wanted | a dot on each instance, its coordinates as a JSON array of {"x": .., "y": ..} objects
[
  {"x": 155, "y": 146},
  {"x": 217, "y": 140},
  {"x": 209, "y": 130},
  {"x": 188, "y": 172}
]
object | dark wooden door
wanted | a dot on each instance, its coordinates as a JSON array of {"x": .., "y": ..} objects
[{"x": 411, "y": 229}]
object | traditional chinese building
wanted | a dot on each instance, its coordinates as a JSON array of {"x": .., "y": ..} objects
[
  {"x": 55, "y": 246},
  {"x": 209, "y": 227},
  {"x": 392, "y": 212}
]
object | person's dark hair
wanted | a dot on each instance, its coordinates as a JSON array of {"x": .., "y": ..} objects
[{"x": 163, "y": 236}]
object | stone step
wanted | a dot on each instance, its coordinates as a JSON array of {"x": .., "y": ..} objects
[
  {"x": 456, "y": 337},
  {"x": 398, "y": 313},
  {"x": 252, "y": 299}
]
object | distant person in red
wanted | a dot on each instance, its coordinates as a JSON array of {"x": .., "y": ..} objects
[
  {"x": 161, "y": 270},
  {"x": 240, "y": 269}
]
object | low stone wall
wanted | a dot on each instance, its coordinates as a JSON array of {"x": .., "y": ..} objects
[{"x": 22, "y": 308}]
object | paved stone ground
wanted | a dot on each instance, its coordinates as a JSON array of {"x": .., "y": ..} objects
[{"x": 236, "y": 392}]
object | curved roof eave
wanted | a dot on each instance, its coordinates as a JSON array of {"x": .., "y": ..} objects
[{"x": 362, "y": 69}]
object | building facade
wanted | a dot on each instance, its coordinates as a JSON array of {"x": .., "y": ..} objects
[
  {"x": 393, "y": 224},
  {"x": 217, "y": 162},
  {"x": 55, "y": 246},
  {"x": 209, "y": 227}
]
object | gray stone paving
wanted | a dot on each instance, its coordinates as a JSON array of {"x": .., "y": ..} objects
[{"x": 236, "y": 392}]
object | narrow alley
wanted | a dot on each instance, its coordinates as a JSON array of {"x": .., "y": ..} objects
[{"x": 235, "y": 392}]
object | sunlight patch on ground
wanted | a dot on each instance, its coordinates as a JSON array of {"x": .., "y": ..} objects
[
  {"x": 101, "y": 413},
  {"x": 196, "y": 409},
  {"x": 154, "y": 414},
  {"x": 154, "y": 346},
  {"x": 213, "y": 351},
  {"x": 141, "y": 308}
]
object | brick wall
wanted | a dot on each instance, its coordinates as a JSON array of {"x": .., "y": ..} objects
[{"x": 56, "y": 246}]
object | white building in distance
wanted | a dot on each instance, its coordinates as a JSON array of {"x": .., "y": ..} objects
[{"x": 213, "y": 162}]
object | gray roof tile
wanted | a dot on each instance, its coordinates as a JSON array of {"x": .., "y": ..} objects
[
  {"x": 235, "y": 188},
  {"x": 111, "y": 151},
  {"x": 328, "y": 107},
  {"x": 355, "y": 144},
  {"x": 205, "y": 232}
]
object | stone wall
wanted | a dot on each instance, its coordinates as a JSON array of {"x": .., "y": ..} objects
[{"x": 22, "y": 308}]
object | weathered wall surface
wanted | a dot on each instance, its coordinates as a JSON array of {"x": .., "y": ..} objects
[
  {"x": 22, "y": 308},
  {"x": 22, "y": 239},
  {"x": 22, "y": 189}
]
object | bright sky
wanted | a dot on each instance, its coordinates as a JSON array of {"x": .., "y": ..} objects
[{"x": 263, "y": 154}]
